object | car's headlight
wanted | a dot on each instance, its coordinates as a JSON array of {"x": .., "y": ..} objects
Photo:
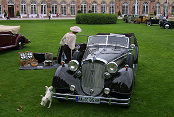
[
  {"x": 73, "y": 65},
  {"x": 106, "y": 91},
  {"x": 112, "y": 67}
]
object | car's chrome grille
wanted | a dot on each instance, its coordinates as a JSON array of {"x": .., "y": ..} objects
[{"x": 92, "y": 77}]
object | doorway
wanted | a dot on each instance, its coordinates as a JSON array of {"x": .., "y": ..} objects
[{"x": 11, "y": 10}]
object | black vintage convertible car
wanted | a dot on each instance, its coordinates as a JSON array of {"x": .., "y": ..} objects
[{"x": 102, "y": 71}]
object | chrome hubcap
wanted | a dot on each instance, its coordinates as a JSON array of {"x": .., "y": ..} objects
[
  {"x": 20, "y": 43},
  {"x": 167, "y": 26}
]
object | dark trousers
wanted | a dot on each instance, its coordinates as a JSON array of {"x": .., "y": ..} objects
[{"x": 64, "y": 54}]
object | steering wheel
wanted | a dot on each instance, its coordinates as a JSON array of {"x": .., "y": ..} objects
[{"x": 77, "y": 47}]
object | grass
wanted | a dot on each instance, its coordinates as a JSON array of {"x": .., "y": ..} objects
[{"x": 153, "y": 94}]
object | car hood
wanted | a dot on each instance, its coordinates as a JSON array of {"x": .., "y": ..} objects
[{"x": 107, "y": 54}]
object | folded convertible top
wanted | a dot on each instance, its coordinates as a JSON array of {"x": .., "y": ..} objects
[{"x": 13, "y": 29}]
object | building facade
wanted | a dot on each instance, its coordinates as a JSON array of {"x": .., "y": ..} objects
[{"x": 69, "y": 8}]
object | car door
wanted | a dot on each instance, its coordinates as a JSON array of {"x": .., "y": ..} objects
[
  {"x": 12, "y": 39},
  {"x": 7, "y": 39}
]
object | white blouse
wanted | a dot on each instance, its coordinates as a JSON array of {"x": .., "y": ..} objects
[{"x": 69, "y": 39}]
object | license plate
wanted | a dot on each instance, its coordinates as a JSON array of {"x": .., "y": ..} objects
[{"x": 88, "y": 99}]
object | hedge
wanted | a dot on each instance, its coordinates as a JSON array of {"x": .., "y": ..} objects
[{"x": 96, "y": 18}]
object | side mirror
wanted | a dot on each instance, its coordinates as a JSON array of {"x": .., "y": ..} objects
[{"x": 132, "y": 46}]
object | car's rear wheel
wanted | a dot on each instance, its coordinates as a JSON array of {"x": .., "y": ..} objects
[{"x": 20, "y": 44}]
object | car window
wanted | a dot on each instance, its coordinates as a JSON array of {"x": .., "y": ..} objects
[
  {"x": 118, "y": 41},
  {"x": 96, "y": 40}
]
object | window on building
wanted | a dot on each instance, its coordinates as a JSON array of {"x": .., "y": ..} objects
[
  {"x": 23, "y": 7},
  {"x": 83, "y": 7},
  {"x": 157, "y": 8},
  {"x": 173, "y": 9},
  {"x": 103, "y": 7},
  {"x": 54, "y": 7},
  {"x": 43, "y": 7},
  {"x": 112, "y": 8},
  {"x": 73, "y": 8},
  {"x": 125, "y": 8},
  {"x": 134, "y": 9},
  {"x": 166, "y": 9},
  {"x": 94, "y": 7},
  {"x": 63, "y": 8},
  {"x": 33, "y": 7},
  {"x": 145, "y": 8}
]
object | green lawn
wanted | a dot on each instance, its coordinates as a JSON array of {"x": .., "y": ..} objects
[{"x": 153, "y": 93}]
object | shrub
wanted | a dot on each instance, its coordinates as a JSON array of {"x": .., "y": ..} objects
[
  {"x": 90, "y": 11},
  {"x": 155, "y": 12},
  {"x": 17, "y": 14},
  {"x": 79, "y": 11},
  {"x": 96, "y": 18},
  {"x": 151, "y": 14},
  {"x": 119, "y": 13},
  {"x": 5, "y": 13}
]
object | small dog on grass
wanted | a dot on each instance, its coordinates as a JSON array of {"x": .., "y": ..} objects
[{"x": 47, "y": 97}]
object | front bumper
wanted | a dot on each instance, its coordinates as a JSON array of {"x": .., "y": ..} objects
[{"x": 117, "y": 101}]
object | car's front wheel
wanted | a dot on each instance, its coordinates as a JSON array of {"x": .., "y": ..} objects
[
  {"x": 167, "y": 26},
  {"x": 149, "y": 23},
  {"x": 20, "y": 44}
]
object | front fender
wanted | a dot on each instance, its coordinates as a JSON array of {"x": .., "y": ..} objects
[
  {"x": 124, "y": 83},
  {"x": 18, "y": 36},
  {"x": 64, "y": 78}
]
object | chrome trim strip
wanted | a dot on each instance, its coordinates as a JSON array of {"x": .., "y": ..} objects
[
  {"x": 99, "y": 59},
  {"x": 106, "y": 44},
  {"x": 120, "y": 57},
  {"x": 5, "y": 34},
  {"x": 102, "y": 99},
  {"x": 8, "y": 46}
]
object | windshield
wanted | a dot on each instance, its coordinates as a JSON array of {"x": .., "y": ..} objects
[
  {"x": 96, "y": 40},
  {"x": 118, "y": 41},
  {"x": 114, "y": 40}
]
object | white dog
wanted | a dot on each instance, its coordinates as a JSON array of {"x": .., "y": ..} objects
[{"x": 47, "y": 97}]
